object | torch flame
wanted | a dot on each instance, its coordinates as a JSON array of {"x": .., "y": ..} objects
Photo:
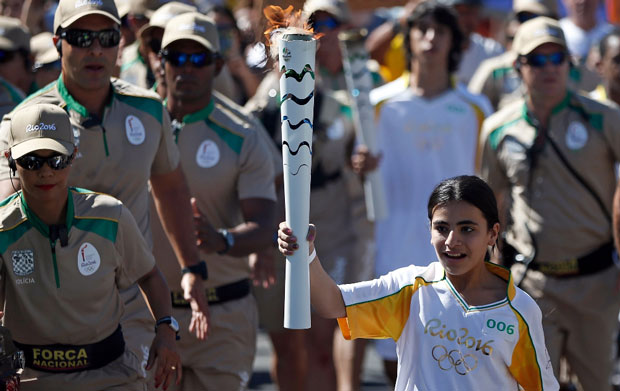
[{"x": 285, "y": 20}]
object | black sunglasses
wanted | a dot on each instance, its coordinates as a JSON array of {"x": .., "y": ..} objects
[
  {"x": 32, "y": 162},
  {"x": 85, "y": 38},
  {"x": 540, "y": 60},
  {"x": 198, "y": 60}
]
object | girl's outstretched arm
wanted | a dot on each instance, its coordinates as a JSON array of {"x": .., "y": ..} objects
[{"x": 325, "y": 295}]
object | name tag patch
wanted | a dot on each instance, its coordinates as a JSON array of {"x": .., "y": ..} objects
[
  {"x": 135, "y": 130},
  {"x": 576, "y": 136},
  {"x": 208, "y": 154},
  {"x": 88, "y": 259}
]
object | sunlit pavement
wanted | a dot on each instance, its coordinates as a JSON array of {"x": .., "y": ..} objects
[{"x": 372, "y": 375}]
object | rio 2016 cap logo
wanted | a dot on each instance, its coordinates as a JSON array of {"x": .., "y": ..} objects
[
  {"x": 81, "y": 3},
  {"x": 41, "y": 126}
]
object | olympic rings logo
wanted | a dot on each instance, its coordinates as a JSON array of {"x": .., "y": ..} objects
[{"x": 462, "y": 364}]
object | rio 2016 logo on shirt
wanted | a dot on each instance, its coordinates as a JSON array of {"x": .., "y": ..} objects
[
  {"x": 23, "y": 262},
  {"x": 88, "y": 259},
  {"x": 435, "y": 328},
  {"x": 462, "y": 364}
]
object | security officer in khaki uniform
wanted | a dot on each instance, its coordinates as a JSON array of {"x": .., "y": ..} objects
[
  {"x": 497, "y": 78},
  {"x": 139, "y": 60},
  {"x": 550, "y": 158},
  {"x": 124, "y": 141},
  {"x": 65, "y": 254},
  {"x": 230, "y": 173}
]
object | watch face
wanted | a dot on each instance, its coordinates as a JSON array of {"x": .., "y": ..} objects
[{"x": 174, "y": 324}]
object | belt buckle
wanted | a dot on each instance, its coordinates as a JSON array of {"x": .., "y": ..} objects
[
  {"x": 212, "y": 295},
  {"x": 564, "y": 268}
]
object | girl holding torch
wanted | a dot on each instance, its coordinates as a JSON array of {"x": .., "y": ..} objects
[{"x": 459, "y": 323}]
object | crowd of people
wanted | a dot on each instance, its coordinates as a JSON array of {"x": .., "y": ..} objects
[{"x": 142, "y": 178}]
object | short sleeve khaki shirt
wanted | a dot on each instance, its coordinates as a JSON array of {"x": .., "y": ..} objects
[
  {"x": 548, "y": 203},
  {"x": 118, "y": 154},
  {"x": 68, "y": 295}
]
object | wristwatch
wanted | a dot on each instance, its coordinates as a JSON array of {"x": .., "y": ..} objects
[
  {"x": 171, "y": 322},
  {"x": 229, "y": 239},
  {"x": 199, "y": 269}
]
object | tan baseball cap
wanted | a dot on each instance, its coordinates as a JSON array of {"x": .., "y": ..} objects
[
  {"x": 42, "y": 46},
  {"x": 536, "y": 32},
  {"x": 13, "y": 34},
  {"x": 143, "y": 7},
  {"x": 193, "y": 26},
  {"x": 163, "y": 14},
  {"x": 41, "y": 126},
  {"x": 69, "y": 11},
  {"x": 338, "y": 8},
  {"x": 538, "y": 7}
]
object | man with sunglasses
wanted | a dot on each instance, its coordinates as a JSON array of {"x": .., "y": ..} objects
[
  {"x": 124, "y": 141},
  {"x": 497, "y": 78},
  {"x": 550, "y": 157},
  {"x": 329, "y": 17},
  {"x": 140, "y": 62},
  {"x": 15, "y": 57},
  {"x": 230, "y": 174}
]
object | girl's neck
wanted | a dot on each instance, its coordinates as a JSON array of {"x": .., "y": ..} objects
[{"x": 479, "y": 286}]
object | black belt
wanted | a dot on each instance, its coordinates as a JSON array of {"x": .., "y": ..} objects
[
  {"x": 594, "y": 262},
  {"x": 59, "y": 358},
  {"x": 217, "y": 295}
]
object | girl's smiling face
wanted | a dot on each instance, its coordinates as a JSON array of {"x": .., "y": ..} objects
[{"x": 461, "y": 236}]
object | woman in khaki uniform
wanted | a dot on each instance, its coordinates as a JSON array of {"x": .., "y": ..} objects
[{"x": 64, "y": 255}]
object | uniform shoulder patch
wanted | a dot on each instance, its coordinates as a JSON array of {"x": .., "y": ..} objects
[
  {"x": 144, "y": 100},
  {"x": 96, "y": 212},
  {"x": 499, "y": 122},
  {"x": 592, "y": 110}
]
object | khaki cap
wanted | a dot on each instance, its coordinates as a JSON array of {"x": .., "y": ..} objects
[
  {"x": 338, "y": 8},
  {"x": 41, "y": 126},
  {"x": 193, "y": 26},
  {"x": 143, "y": 7},
  {"x": 122, "y": 7},
  {"x": 69, "y": 11},
  {"x": 13, "y": 34},
  {"x": 538, "y": 7},
  {"x": 42, "y": 46},
  {"x": 163, "y": 14},
  {"x": 536, "y": 32}
]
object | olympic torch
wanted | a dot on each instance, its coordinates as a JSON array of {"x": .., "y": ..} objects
[
  {"x": 296, "y": 55},
  {"x": 359, "y": 83}
]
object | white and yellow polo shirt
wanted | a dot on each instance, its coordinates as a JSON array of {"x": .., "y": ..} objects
[{"x": 442, "y": 342}]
